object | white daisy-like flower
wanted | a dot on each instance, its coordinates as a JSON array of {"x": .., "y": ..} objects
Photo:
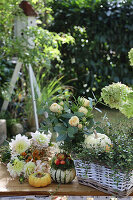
[
  {"x": 40, "y": 139},
  {"x": 15, "y": 167},
  {"x": 20, "y": 144},
  {"x": 29, "y": 168}
]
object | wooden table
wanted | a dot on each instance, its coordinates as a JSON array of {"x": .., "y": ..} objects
[{"x": 10, "y": 187}]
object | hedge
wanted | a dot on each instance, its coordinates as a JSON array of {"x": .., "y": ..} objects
[{"x": 103, "y": 33}]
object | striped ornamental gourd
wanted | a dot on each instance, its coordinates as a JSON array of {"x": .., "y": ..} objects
[{"x": 63, "y": 176}]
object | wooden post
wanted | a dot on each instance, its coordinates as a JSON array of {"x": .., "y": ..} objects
[
  {"x": 14, "y": 78},
  {"x": 33, "y": 97}
]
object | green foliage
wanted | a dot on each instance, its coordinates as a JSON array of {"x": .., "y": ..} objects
[
  {"x": 6, "y": 69},
  {"x": 45, "y": 50},
  {"x": 49, "y": 92},
  {"x": 103, "y": 36},
  {"x": 119, "y": 157},
  {"x": 119, "y": 96},
  {"x": 66, "y": 119},
  {"x": 130, "y": 55},
  {"x": 5, "y": 153}
]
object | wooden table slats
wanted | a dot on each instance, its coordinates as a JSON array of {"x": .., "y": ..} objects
[{"x": 10, "y": 187}]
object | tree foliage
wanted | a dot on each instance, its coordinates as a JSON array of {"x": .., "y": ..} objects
[{"x": 103, "y": 36}]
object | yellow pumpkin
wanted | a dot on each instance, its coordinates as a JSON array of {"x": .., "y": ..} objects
[{"x": 39, "y": 179}]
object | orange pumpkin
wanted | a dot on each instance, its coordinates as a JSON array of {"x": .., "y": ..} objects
[{"x": 39, "y": 179}]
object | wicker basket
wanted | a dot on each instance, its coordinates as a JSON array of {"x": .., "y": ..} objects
[{"x": 103, "y": 178}]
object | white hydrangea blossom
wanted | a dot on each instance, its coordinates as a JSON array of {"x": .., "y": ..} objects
[
  {"x": 29, "y": 168},
  {"x": 15, "y": 167},
  {"x": 19, "y": 144},
  {"x": 41, "y": 140}
]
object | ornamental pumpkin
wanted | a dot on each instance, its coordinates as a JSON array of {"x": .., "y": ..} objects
[
  {"x": 62, "y": 168},
  {"x": 39, "y": 179},
  {"x": 97, "y": 140},
  {"x": 63, "y": 176}
]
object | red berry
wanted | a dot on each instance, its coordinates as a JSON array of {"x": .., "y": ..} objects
[
  {"x": 61, "y": 156},
  {"x": 57, "y": 162},
  {"x": 62, "y": 162}
]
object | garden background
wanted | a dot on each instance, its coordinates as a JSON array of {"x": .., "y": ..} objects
[{"x": 80, "y": 47}]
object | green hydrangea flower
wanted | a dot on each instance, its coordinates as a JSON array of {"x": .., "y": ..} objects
[
  {"x": 114, "y": 94},
  {"x": 127, "y": 107},
  {"x": 130, "y": 55}
]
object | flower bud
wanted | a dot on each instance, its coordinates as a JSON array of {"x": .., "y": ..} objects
[{"x": 80, "y": 126}]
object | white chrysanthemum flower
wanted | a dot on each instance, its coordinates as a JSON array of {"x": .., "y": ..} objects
[
  {"x": 40, "y": 139},
  {"x": 15, "y": 167},
  {"x": 29, "y": 168},
  {"x": 20, "y": 144}
]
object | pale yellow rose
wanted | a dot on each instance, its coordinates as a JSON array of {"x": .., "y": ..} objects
[
  {"x": 83, "y": 110},
  {"x": 85, "y": 101},
  {"x": 55, "y": 107},
  {"x": 80, "y": 126},
  {"x": 74, "y": 121}
]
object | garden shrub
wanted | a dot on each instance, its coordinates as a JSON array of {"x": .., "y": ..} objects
[{"x": 103, "y": 37}]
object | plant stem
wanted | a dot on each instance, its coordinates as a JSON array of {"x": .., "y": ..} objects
[{"x": 95, "y": 132}]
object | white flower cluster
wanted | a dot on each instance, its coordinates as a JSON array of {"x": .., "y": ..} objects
[
  {"x": 40, "y": 139},
  {"x": 19, "y": 165},
  {"x": 20, "y": 144},
  {"x": 15, "y": 167}
]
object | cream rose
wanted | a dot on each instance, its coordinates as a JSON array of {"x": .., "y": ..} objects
[
  {"x": 55, "y": 107},
  {"x": 85, "y": 101},
  {"x": 83, "y": 110},
  {"x": 74, "y": 121}
]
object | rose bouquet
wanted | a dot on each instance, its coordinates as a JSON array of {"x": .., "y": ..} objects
[
  {"x": 70, "y": 120},
  {"x": 25, "y": 156}
]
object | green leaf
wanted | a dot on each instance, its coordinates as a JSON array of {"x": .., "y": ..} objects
[
  {"x": 66, "y": 108},
  {"x": 91, "y": 123},
  {"x": 69, "y": 115},
  {"x": 72, "y": 131},
  {"x": 79, "y": 114},
  {"x": 60, "y": 129},
  {"x": 99, "y": 130},
  {"x": 61, "y": 137}
]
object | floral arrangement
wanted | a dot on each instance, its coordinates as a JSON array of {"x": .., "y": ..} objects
[
  {"x": 25, "y": 156},
  {"x": 70, "y": 120},
  {"x": 79, "y": 134}
]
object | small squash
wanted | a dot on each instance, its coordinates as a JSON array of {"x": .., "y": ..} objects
[
  {"x": 97, "y": 140},
  {"x": 62, "y": 168},
  {"x": 39, "y": 179},
  {"x": 63, "y": 176}
]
